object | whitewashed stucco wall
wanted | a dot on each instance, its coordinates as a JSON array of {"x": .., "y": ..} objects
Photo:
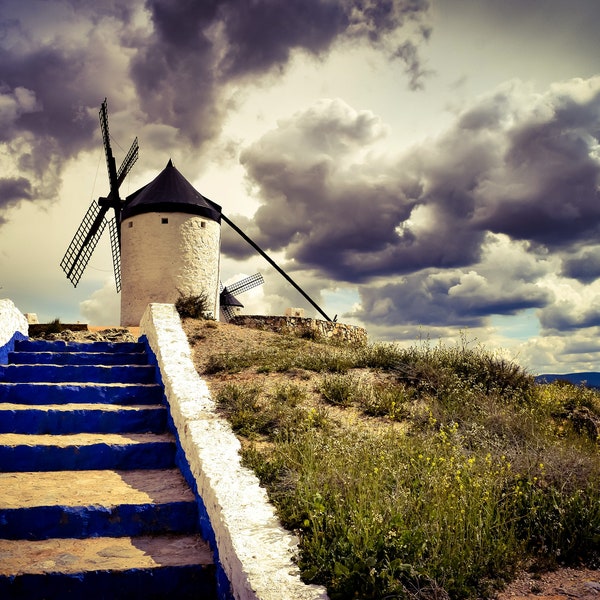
[
  {"x": 254, "y": 550},
  {"x": 160, "y": 261},
  {"x": 13, "y": 324}
]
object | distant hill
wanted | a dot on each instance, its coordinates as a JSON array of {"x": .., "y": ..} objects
[{"x": 591, "y": 379}]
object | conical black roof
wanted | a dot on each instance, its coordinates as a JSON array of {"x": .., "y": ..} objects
[
  {"x": 170, "y": 192},
  {"x": 228, "y": 299}
]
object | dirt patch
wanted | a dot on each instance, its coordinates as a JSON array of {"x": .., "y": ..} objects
[{"x": 566, "y": 583}]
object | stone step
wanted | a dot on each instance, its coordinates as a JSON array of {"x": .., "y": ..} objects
[
  {"x": 82, "y": 451},
  {"x": 81, "y": 392},
  {"x": 82, "y": 418},
  {"x": 145, "y": 567},
  {"x": 77, "y": 358},
  {"x": 99, "y": 503},
  {"x": 62, "y": 346},
  {"x": 77, "y": 373}
]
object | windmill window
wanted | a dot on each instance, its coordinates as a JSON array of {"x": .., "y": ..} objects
[
  {"x": 203, "y": 224},
  {"x": 130, "y": 224},
  {"x": 164, "y": 220}
]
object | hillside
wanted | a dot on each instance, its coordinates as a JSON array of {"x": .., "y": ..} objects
[{"x": 465, "y": 412}]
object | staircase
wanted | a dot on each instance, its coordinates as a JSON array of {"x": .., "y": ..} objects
[{"x": 91, "y": 503}]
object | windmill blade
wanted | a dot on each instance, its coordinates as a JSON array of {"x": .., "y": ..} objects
[
  {"x": 115, "y": 247},
  {"x": 246, "y": 284},
  {"x": 228, "y": 311},
  {"x": 273, "y": 264},
  {"x": 128, "y": 162},
  {"x": 84, "y": 242},
  {"x": 110, "y": 159}
]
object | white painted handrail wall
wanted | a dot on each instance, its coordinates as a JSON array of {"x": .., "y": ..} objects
[{"x": 254, "y": 550}]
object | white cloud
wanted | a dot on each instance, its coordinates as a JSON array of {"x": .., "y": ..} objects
[{"x": 103, "y": 308}]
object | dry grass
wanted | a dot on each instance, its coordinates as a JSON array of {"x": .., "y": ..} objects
[{"x": 417, "y": 473}]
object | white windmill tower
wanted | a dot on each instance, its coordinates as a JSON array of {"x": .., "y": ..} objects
[
  {"x": 170, "y": 246},
  {"x": 165, "y": 241}
]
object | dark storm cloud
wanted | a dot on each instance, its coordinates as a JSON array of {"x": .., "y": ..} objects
[
  {"x": 554, "y": 198},
  {"x": 409, "y": 55},
  {"x": 197, "y": 48},
  {"x": 565, "y": 316},
  {"x": 13, "y": 189},
  {"x": 584, "y": 267},
  {"x": 262, "y": 34},
  {"x": 330, "y": 212},
  {"x": 515, "y": 164},
  {"x": 527, "y": 172},
  {"x": 232, "y": 244},
  {"x": 436, "y": 298},
  {"x": 355, "y": 219},
  {"x": 180, "y": 62}
]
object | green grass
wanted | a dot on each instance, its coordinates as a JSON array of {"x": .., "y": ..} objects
[{"x": 488, "y": 473}]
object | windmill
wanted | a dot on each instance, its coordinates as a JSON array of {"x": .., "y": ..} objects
[
  {"x": 165, "y": 241},
  {"x": 227, "y": 299},
  {"x": 94, "y": 222}
]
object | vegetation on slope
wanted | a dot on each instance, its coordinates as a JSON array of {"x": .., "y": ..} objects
[{"x": 427, "y": 472}]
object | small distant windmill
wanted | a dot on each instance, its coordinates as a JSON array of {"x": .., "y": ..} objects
[
  {"x": 228, "y": 300},
  {"x": 90, "y": 230},
  {"x": 165, "y": 240}
]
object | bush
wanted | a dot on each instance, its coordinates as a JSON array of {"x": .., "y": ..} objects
[
  {"x": 341, "y": 390},
  {"x": 193, "y": 307},
  {"x": 386, "y": 400}
]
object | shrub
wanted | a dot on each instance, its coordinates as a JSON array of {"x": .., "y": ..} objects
[
  {"x": 192, "y": 306},
  {"x": 243, "y": 410},
  {"x": 51, "y": 328},
  {"x": 341, "y": 390},
  {"x": 386, "y": 400},
  {"x": 492, "y": 471}
]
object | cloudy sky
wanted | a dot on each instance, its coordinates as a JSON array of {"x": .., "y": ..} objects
[{"x": 426, "y": 169}]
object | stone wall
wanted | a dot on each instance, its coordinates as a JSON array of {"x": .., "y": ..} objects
[{"x": 302, "y": 327}]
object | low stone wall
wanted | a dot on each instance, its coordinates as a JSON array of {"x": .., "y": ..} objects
[
  {"x": 255, "y": 552},
  {"x": 303, "y": 327}
]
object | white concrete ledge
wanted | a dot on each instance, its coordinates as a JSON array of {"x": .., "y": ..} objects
[
  {"x": 13, "y": 325},
  {"x": 254, "y": 550}
]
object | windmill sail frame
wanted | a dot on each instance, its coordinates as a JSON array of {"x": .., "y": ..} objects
[
  {"x": 86, "y": 238},
  {"x": 84, "y": 243}
]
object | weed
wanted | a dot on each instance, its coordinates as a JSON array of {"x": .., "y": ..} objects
[
  {"x": 241, "y": 405},
  {"x": 192, "y": 306},
  {"x": 386, "y": 400},
  {"x": 341, "y": 390},
  {"x": 51, "y": 328},
  {"x": 227, "y": 362},
  {"x": 289, "y": 395}
]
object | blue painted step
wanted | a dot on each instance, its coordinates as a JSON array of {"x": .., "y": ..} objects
[
  {"x": 77, "y": 358},
  {"x": 62, "y": 393},
  {"x": 73, "y": 419},
  {"x": 86, "y": 451},
  {"x": 82, "y": 418},
  {"x": 60, "y": 346},
  {"x": 77, "y": 373},
  {"x": 66, "y": 504},
  {"x": 156, "y": 567}
]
